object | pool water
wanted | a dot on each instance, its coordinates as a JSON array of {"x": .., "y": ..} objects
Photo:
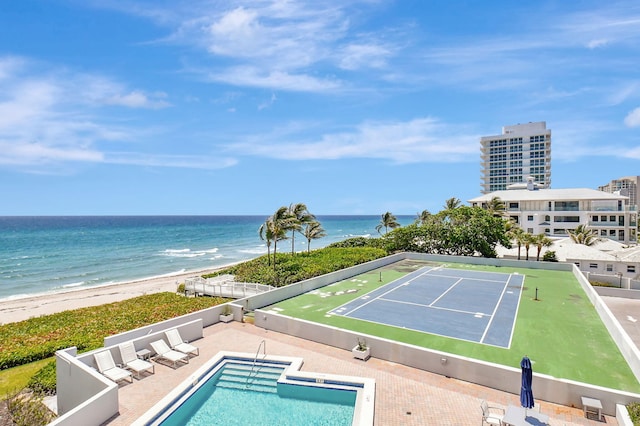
[{"x": 239, "y": 395}]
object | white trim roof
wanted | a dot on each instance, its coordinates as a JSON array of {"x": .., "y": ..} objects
[{"x": 548, "y": 195}]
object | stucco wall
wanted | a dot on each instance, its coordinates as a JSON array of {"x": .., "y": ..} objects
[
  {"x": 547, "y": 388},
  {"x": 84, "y": 396}
]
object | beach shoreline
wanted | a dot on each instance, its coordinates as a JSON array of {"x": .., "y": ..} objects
[{"x": 20, "y": 309}]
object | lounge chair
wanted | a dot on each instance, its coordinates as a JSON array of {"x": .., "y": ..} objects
[
  {"x": 489, "y": 417},
  {"x": 109, "y": 369},
  {"x": 163, "y": 351},
  {"x": 176, "y": 343},
  {"x": 131, "y": 361}
]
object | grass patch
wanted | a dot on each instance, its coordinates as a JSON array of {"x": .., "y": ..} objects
[
  {"x": 16, "y": 378},
  {"x": 561, "y": 332}
]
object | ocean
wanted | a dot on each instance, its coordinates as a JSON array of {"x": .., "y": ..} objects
[{"x": 46, "y": 254}]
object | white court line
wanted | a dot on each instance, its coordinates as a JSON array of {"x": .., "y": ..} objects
[
  {"x": 387, "y": 292},
  {"x": 470, "y": 279},
  {"x": 446, "y": 291},
  {"x": 495, "y": 309},
  {"x": 515, "y": 317},
  {"x": 436, "y": 307}
]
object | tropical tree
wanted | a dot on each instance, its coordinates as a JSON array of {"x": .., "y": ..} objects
[
  {"x": 540, "y": 241},
  {"x": 299, "y": 215},
  {"x": 496, "y": 207},
  {"x": 387, "y": 221},
  {"x": 423, "y": 217},
  {"x": 266, "y": 234},
  {"x": 515, "y": 233},
  {"x": 583, "y": 235},
  {"x": 452, "y": 203},
  {"x": 280, "y": 224},
  {"x": 527, "y": 240},
  {"x": 313, "y": 231}
]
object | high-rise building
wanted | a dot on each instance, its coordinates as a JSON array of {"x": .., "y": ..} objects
[
  {"x": 627, "y": 186},
  {"x": 520, "y": 152}
]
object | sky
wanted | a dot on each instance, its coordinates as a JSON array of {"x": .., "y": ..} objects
[{"x": 172, "y": 107}]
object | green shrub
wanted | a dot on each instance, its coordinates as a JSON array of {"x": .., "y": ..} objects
[
  {"x": 300, "y": 266},
  {"x": 550, "y": 256},
  {"x": 634, "y": 412},
  {"x": 39, "y": 338},
  {"x": 44, "y": 381},
  {"x": 181, "y": 288}
]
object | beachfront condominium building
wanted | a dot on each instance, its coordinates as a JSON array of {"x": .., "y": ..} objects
[
  {"x": 555, "y": 212},
  {"x": 521, "y": 151},
  {"x": 624, "y": 186}
]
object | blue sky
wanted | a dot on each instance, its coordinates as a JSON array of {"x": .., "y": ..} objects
[{"x": 351, "y": 107}]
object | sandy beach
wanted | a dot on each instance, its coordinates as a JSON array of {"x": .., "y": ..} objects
[{"x": 50, "y": 303}]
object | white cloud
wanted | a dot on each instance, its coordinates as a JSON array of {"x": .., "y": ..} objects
[
  {"x": 138, "y": 99},
  {"x": 356, "y": 56},
  {"x": 594, "y": 44},
  {"x": 418, "y": 140},
  {"x": 275, "y": 79},
  {"x": 633, "y": 118},
  {"x": 49, "y": 118}
]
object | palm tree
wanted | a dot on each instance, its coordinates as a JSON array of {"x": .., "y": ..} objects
[
  {"x": 387, "y": 221},
  {"x": 583, "y": 235},
  {"x": 496, "y": 207},
  {"x": 313, "y": 231},
  {"x": 299, "y": 216},
  {"x": 280, "y": 224},
  {"x": 516, "y": 233},
  {"x": 527, "y": 240},
  {"x": 540, "y": 241},
  {"x": 423, "y": 217},
  {"x": 452, "y": 203},
  {"x": 266, "y": 234}
]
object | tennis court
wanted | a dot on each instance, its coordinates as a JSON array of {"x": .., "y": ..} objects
[{"x": 476, "y": 306}]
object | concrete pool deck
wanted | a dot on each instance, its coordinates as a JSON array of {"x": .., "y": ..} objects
[{"x": 404, "y": 395}]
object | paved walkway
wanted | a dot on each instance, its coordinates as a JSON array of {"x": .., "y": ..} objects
[{"x": 404, "y": 396}]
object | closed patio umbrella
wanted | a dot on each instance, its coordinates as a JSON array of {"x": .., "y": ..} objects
[{"x": 526, "y": 394}]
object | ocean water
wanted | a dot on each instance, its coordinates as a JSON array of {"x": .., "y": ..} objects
[{"x": 50, "y": 254}]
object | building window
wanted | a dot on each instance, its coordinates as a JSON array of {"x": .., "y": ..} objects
[
  {"x": 515, "y": 219},
  {"x": 612, "y": 232},
  {"x": 603, "y": 232},
  {"x": 621, "y": 235},
  {"x": 547, "y": 218},
  {"x": 530, "y": 218},
  {"x": 513, "y": 205},
  {"x": 595, "y": 218},
  {"x": 593, "y": 265},
  {"x": 577, "y": 264},
  {"x": 609, "y": 268},
  {"x": 612, "y": 218},
  {"x": 573, "y": 219},
  {"x": 631, "y": 268},
  {"x": 567, "y": 206},
  {"x": 530, "y": 230},
  {"x": 603, "y": 218}
]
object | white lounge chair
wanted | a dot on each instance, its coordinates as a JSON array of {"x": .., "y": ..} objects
[
  {"x": 163, "y": 351},
  {"x": 109, "y": 369},
  {"x": 176, "y": 343},
  {"x": 489, "y": 417},
  {"x": 131, "y": 361}
]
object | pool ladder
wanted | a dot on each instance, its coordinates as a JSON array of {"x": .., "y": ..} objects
[{"x": 251, "y": 377}]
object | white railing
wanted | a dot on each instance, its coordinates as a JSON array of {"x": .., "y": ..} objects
[{"x": 223, "y": 286}]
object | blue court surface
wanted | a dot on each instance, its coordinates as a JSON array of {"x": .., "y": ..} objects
[{"x": 469, "y": 305}]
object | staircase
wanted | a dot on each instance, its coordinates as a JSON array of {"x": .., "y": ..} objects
[{"x": 250, "y": 377}]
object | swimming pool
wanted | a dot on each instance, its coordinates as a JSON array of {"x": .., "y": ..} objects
[{"x": 232, "y": 389}]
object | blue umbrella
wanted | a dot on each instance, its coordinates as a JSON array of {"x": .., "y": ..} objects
[{"x": 526, "y": 394}]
